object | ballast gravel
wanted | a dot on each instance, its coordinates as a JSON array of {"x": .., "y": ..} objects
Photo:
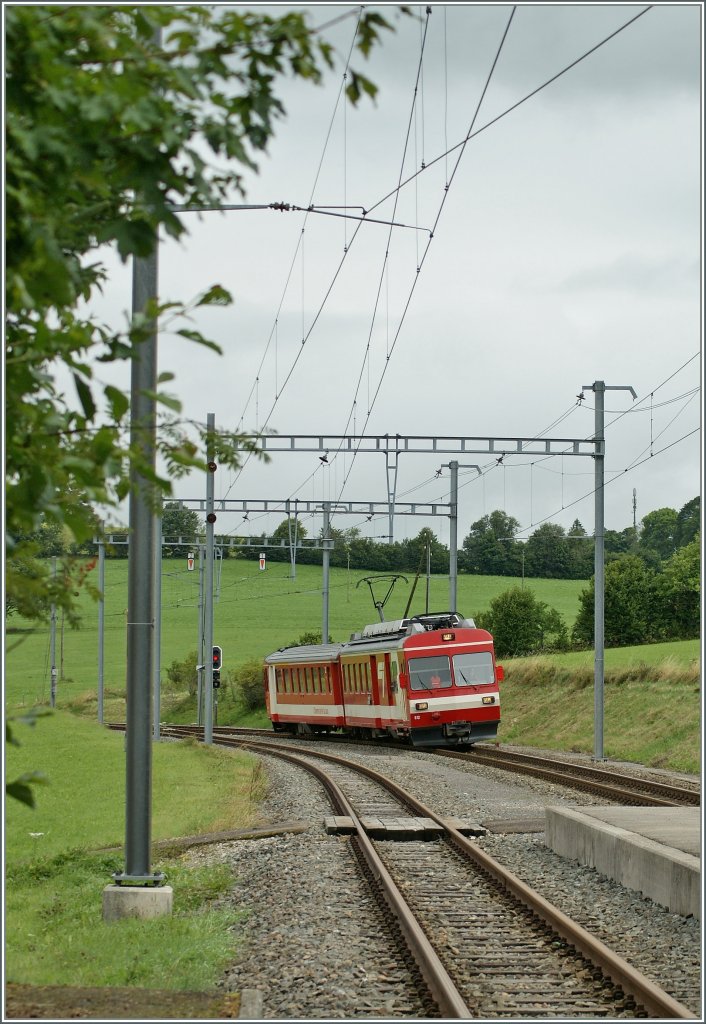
[{"x": 313, "y": 941}]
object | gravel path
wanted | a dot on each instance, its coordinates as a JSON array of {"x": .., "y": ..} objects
[{"x": 313, "y": 941}]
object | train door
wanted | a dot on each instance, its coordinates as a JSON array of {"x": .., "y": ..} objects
[{"x": 397, "y": 667}]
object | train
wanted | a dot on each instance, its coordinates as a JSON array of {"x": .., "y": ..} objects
[{"x": 430, "y": 680}]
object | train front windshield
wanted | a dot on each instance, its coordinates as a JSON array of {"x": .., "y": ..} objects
[{"x": 472, "y": 669}]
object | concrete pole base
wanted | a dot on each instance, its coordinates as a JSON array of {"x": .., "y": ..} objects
[{"x": 136, "y": 901}]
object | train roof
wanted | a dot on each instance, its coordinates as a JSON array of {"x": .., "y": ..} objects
[
  {"x": 305, "y": 654},
  {"x": 398, "y": 628},
  {"x": 382, "y": 635}
]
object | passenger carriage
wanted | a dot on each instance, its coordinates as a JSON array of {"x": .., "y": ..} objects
[{"x": 430, "y": 679}]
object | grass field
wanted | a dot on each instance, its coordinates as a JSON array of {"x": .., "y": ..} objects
[
  {"x": 256, "y": 613},
  {"x": 652, "y": 715},
  {"x": 651, "y": 702},
  {"x": 55, "y": 875}
]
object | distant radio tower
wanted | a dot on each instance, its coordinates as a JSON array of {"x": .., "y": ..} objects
[{"x": 634, "y": 510}]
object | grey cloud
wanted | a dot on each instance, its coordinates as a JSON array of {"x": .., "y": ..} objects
[{"x": 635, "y": 272}]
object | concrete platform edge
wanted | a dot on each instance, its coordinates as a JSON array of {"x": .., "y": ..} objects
[{"x": 667, "y": 876}]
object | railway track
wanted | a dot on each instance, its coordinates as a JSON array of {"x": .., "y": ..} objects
[
  {"x": 484, "y": 943},
  {"x": 616, "y": 786},
  {"x": 619, "y": 787}
]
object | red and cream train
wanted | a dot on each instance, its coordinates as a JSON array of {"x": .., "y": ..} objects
[{"x": 431, "y": 680}]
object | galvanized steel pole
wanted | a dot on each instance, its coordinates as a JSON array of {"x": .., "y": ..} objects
[
  {"x": 52, "y": 647},
  {"x": 599, "y": 388},
  {"x": 599, "y": 587},
  {"x": 140, "y": 625},
  {"x": 453, "y": 536},
  {"x": 199, "y": 654},
  {"x": 326, "y": 563},
  {"x": 157, "y": 623},
  {"x": 101, "y": 625},
  {"x": 453, "y": 531},
  {"x": 208, "y": 585}
]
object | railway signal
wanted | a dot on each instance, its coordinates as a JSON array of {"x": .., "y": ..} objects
[{"x": 217, "y": 658}]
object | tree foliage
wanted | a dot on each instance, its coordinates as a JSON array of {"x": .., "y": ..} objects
[
  {"x": 677, "y": 593},
  {"x": 658, "y": 533},
  {"x": 688, "y": 524},
  {"x": 107, "y": 129},
  {"x": 490, "y": 548},
  {"x": 180, "y": 523},
  {"x": 523, "y": 625}
]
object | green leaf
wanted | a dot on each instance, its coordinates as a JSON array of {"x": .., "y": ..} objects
[
  {"x": 196, "y": 336},
  {"x": 85, "y": 397},
  {"x": 119, "y": 402},
  {"x": 216, "y": 296},
  {"x": 21, "y": 787}
]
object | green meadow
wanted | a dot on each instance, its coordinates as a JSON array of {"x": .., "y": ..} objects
[
  {"x": 56, "y": 867},
  {"x": 652, "y": 693},
  {"x": 57, "y": 863},
  {"x": 256, "y": 612}
]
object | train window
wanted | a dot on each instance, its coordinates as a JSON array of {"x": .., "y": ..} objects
[
  {"x": 473, "y": 669},
  {"x": 429, "y": 673},
  {"x": 368, "y": 678}
]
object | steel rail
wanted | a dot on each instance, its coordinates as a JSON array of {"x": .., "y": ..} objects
[
  {"x": 563, "y": 773},
  {"x": 442, "y": 989},
  {"x": 645, "y": 992},
  {"x": 568, "y": 773}
]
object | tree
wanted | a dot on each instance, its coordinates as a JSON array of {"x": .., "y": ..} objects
[
  {"x": 548, "y": 552},
  {"x": 523, "y": 625},
  {"x": 658, "y": 532},
  {"x": 179, "y": 522},
  {"x": 581, "y": 552},
  {"x": 688, "y": 522},
  {"x": 415, "y": 553},
  {"x": 106, "y": 130},
  {"x": 627, "y": 618},
  {"x": 677, "y": 593},
  {"x": 487, "y": 551}
]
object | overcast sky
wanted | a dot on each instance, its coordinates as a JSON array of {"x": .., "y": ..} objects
[{"x": 567, "y": 250}]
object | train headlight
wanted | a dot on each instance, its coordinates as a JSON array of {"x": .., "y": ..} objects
[
  {"x": 489, "y": 700},
  {"x": 421, "y": 706}
]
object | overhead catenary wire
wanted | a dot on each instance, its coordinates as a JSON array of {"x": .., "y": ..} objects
[
  {"x": 391, "y": 224},
  {"x": 431, "y": 236},
  {"x": 311, "y": 199},
  {"x": 509, "y": 110},
  {"x": 471, "y": 133},
  {"x": 490, "y": 467}
]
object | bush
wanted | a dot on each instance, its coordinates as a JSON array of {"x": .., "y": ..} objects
[
  {"x": 305, "y": 640},
  {"x": 249, "y": 686},
  {"x": 181, "y": 675},
  {"x": 522, "y": 625}
]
